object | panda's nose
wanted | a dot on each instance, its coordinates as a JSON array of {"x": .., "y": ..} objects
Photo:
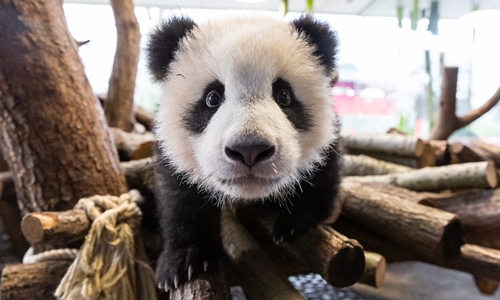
[{"x": 250, "y": 154}]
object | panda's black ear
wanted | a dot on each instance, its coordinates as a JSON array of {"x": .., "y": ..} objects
[
  {"x": 164, "y": 41},
  {"x": 322, "y": 37}
]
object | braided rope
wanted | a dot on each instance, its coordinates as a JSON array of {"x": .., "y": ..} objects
[
  {"x": 110, "y": 264},
  {"x": 56, "y": 254}
]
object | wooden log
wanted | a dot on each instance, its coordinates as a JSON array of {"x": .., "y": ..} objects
[
  {"x": 410, "y": 162},
  {"x": 479, "y": 261},
  {"x": 393, "y": 130},
  {"x": 486, "y": 286},
  {"x": 119, "y": 103},
  {"x": 360, "y": 165},
  {"x": 388, "y": 143},
  {"x": 446, "y": 123},
  {"x": 427, "y": 159},
  {"x": 374, "y": 273},
  {"x": 479, "y": 214},
  {"x": 487, "y": 151},
  {"x": 464, "y": 153},
  {"x": 260, "y": 277},
  {"x": 56, "y": 228},
  {"x": 144, "y": 118},
  {"x": 461, "y": 176},
  {"x": 338, "y": 259},
  {"x": 132, "y": 145},
  {"x": 441, "y": 150},
  {"x": 139, "y": 174},
  {"x": 36, "y": 281},
  {"x": 430, "y": 232},
  {"x": 10, "y": 214}
]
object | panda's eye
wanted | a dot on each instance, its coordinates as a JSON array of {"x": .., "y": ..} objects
[
  {"x": 213, "y": 99},
  {"x": 283, "y": 97}
]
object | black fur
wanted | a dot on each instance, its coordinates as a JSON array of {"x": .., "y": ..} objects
[
  {"x": 190, "y": 227},
  {"x": 322, "y": 37},
  {"x": 199, "y": 114},
  {"x": 295, "y": 112},
  {"x": 163, "y": 43}
]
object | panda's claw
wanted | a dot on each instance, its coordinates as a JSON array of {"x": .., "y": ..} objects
[
  {"x": 190, "y": 272},
  {"x": 166, "y": 288},
  {"x": 176, "y": 281},
  {"x": 205, "y": 266}
]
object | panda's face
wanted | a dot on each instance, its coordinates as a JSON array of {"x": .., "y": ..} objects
[{"x": 246, "y": 112}]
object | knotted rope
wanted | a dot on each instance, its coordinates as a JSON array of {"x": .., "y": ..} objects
[{"x": 110, "y": 264}]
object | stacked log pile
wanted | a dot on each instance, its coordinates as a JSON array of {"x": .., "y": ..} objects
[
  {"x": 457, "y": 203},
  {"x": 445, "y": 215}
]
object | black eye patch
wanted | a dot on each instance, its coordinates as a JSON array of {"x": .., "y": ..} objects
[
  {"x": 199, "y": 114},
  {"x": 294, "y": 110}
]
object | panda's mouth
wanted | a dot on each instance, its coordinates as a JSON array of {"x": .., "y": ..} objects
[{"x": 250, "y": 179}]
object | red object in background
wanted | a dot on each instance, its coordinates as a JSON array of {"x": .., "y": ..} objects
[
  {"x": 348, "y": 102},
  {"x": 354, "y": 105}
]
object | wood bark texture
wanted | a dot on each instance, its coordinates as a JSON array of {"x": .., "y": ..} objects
[
  {"x": 387, "y": 143},
  {"x": 487, "y": 151},
  {"x": 338, "y": 259},
  {"x": 144, "y": 118},
  {"x": 459, "y": 176},
  {"x": 56, "y": 228},
  {"x": 447, "y": 121},
  {"x": 427, "y": 159},
  {"x": 132, "y": 145},
  {"x": 36, "y": 281},
  {"x": 479, "y": 261},
  {"x": 53, "y": 132},
  {"x": 119, "y": 104},
  {"x": 259, "y": 277},
  {"x": 464, "y": 154},
  {"x": 10, "y": 214},
  {"x": 441, "y": 150},
  {"x": 479, "y": 214},
  {"x": 360, "y": 165},
  {"x": 139, "y": 174},
  {"x": 486, "y": 286},
  {"x": 430, "y": 232}
]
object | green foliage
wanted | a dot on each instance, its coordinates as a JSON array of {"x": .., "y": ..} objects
[{"x": 404, "y": 125}]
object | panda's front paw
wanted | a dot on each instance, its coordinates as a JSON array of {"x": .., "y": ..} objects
[
  {"x": 287, "y": 227},
  {"x": 177, "y": 266}
]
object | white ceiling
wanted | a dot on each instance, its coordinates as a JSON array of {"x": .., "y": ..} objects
[{"x": 449, "y": 9}]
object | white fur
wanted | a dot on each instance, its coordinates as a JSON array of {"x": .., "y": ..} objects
[{"x": 247, "y": 53}]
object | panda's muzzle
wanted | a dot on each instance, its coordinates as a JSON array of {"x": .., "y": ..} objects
[{"x": 250, "y": 153}]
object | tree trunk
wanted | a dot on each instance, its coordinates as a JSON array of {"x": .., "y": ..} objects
[
  {"x": 119, "y": 104},
  {"x": 54, "y": 135}
]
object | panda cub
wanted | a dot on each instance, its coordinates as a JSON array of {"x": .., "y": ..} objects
[{"x": 245, "y": 116}]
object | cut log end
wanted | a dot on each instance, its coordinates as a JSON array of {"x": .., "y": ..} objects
[
  {"x": 492, "y": 175},
  {"x": 144, "y": 150},
  {"x": 347, "y": 266},
  {"x": 32, "y": 228},
  {"x": 486, "y": 286},
  {"x": 375, "y": 267},
  {"x": 419, "y": 148},
  {"x": 451, "y": 240}
]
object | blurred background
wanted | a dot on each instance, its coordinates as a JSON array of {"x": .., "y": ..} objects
[{"x": 390, "y": 58}]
